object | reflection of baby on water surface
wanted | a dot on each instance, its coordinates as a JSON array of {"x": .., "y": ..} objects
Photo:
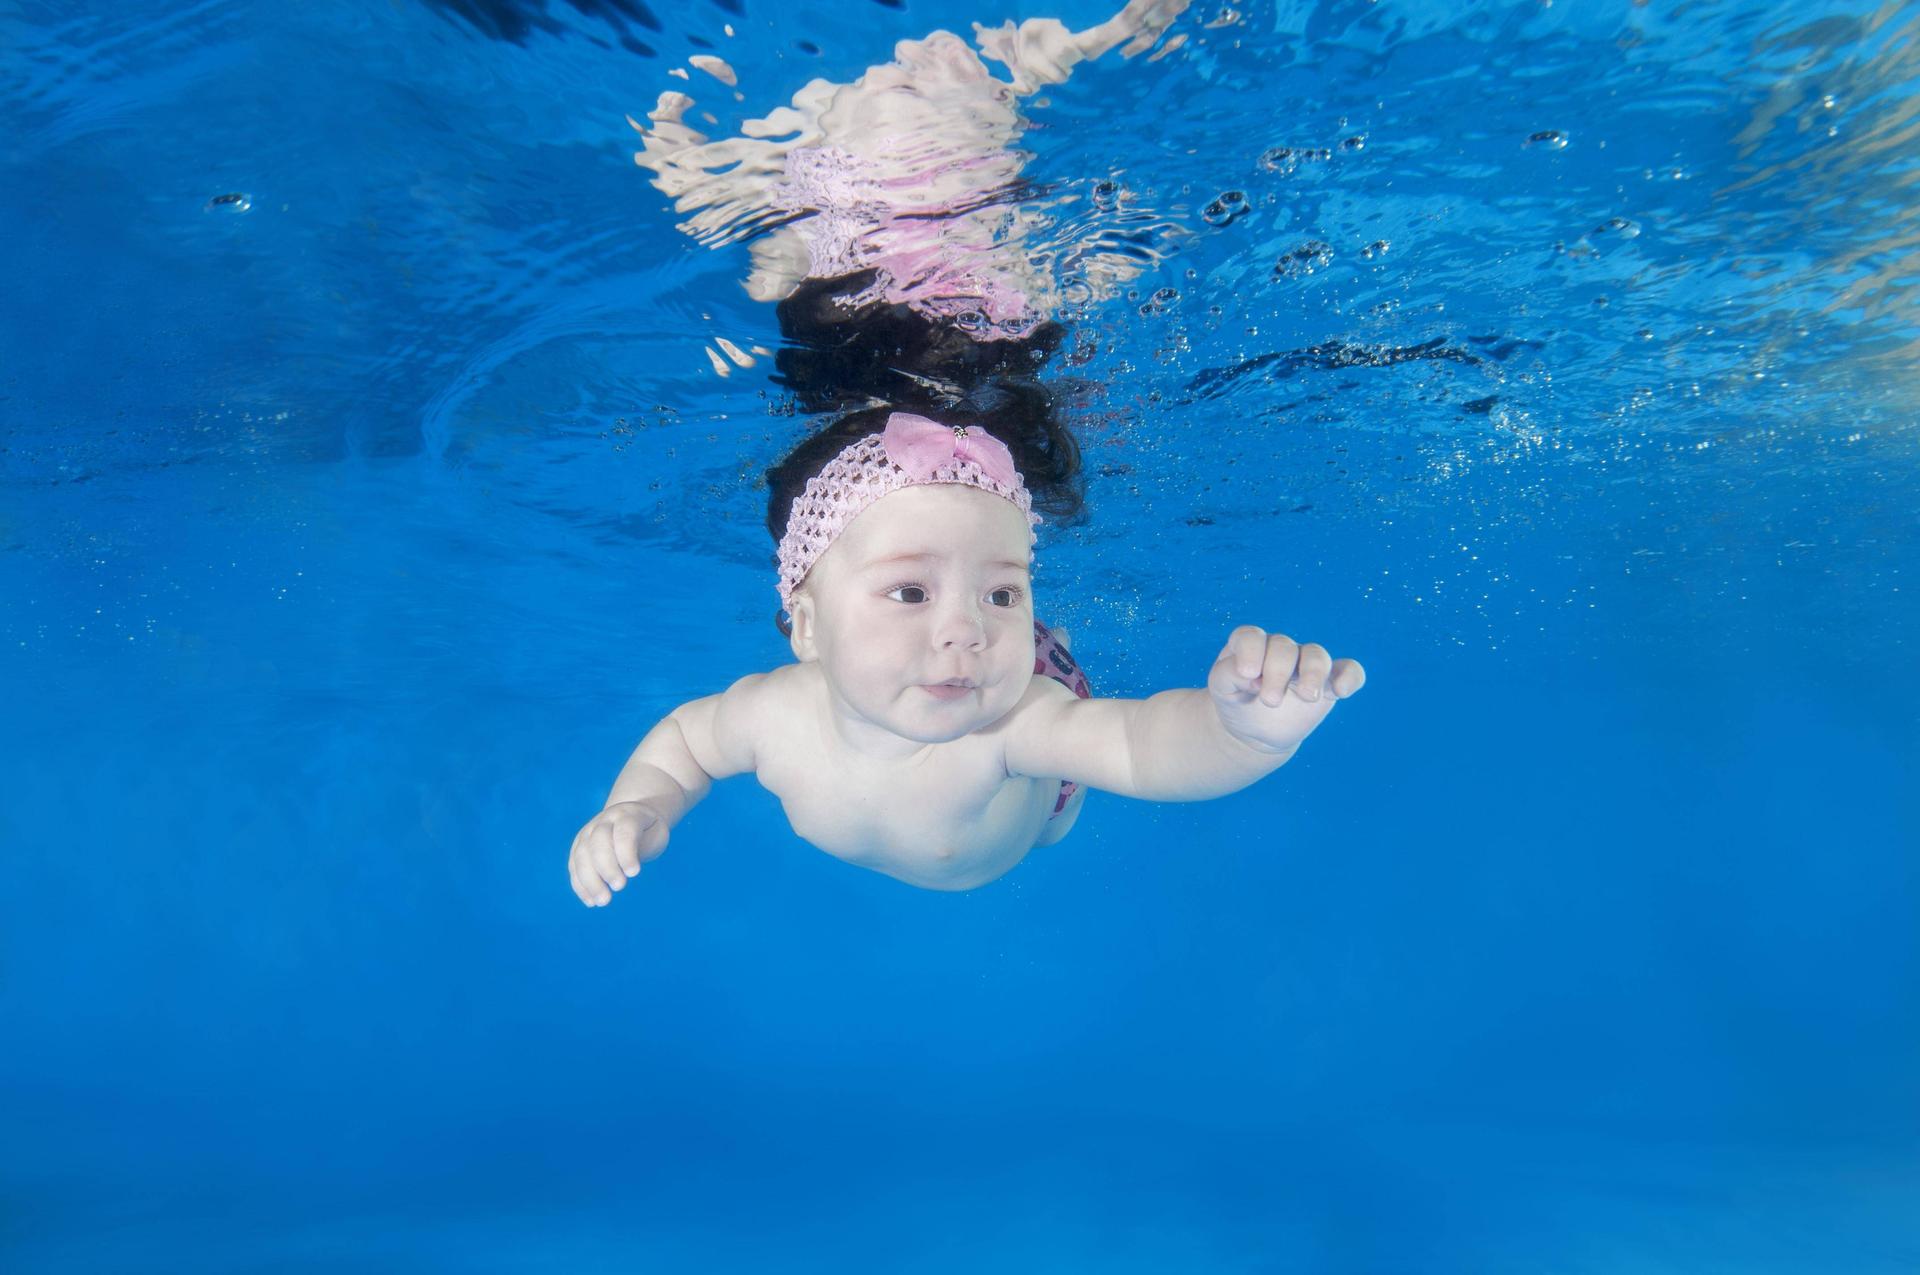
[
  {"x": 907, "y": 171},
  {"x": 929, "y": 727}
]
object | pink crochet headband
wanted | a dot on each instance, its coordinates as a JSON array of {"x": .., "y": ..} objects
[{"x": 911, "y": 452}]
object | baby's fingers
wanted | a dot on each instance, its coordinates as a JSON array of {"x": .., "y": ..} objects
[
  {"x": 624, "y": 838},
  {"x": 585, "y": 887},
  {"x": 579, "y": 875},
  {"x": 593, "y": 866},
  {"x": 604, "y": 853},
  {"x": 586, "y": 884},
  {"x": 1281, "y": 658},
  {"x": 1312, "y": 667},
  {"x": 1236, "y": 670},
  {"x": 1347, "y": 678}
]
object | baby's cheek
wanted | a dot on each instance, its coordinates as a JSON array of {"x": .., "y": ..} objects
[{"x": 1014, "y": 686}]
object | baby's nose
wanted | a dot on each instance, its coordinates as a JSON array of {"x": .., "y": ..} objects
[{"x": 961, "y": 627}]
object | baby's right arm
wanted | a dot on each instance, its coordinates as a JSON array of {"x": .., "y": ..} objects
[{"x": 671, "y": 770}]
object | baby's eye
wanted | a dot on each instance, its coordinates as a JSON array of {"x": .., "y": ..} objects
[
  {"x": 1012, "y": 596},
  {"x": 908, "y": 588}
]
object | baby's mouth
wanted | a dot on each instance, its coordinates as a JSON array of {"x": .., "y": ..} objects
[{"x": 953, "y": 688}]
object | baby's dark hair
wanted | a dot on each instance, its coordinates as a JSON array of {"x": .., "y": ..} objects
[{"x": 869, "y": 358}]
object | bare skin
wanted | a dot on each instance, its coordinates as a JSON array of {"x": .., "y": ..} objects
[{"x": 946, "y": 789}]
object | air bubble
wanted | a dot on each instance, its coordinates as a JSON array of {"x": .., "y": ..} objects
[
  {"x": 1358, "y": 142},
  {"x": 1106, "y": 196},
  {"x": 1227, "y": 209},
  {"x": 232, "y": 203},
  {"x": 1550, "y": 138},
  {"x": 970, "y": 321},
  {"x": 1285, "y": 159},
  {"x": 1378, "y": 248},
  {"x": 1618, "y": 226},
  {"x": 1304, "y": 260}
]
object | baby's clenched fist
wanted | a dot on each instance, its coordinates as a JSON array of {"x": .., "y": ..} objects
[{"x": 610, "y": 849}]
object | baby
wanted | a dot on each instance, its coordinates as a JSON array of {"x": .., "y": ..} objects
[{"x": 930, "y": 728}]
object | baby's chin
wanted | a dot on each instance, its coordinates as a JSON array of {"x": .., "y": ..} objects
[{"x": 933, "y": 721}]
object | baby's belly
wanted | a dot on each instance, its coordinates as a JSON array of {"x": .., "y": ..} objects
[{"x": 934, "y": 841}]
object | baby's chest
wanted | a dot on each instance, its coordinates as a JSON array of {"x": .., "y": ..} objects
[{"x": 949, "y": 814}]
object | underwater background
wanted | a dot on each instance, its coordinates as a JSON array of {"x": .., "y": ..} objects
[{"x": 368, "y": 487}]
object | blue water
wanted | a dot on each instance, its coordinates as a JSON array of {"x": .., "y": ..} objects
[{"x": 349, "y": 541}]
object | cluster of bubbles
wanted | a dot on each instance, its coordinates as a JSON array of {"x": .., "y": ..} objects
[
  {"x": 1231, "y": 205},
  {"x": 1159, "y": 303},
  {"x": 1610, "y": 229},
  {"x": 1302, "y": 261},
  {"x": 1286, "y": 159},
  {"x": 980, "y": 321}
]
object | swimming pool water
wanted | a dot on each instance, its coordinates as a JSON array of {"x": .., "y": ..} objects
[{"x": 1557, "y": 361}]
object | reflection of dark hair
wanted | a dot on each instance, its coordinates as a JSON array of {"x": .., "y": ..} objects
[{"x": 870, "y": 359}]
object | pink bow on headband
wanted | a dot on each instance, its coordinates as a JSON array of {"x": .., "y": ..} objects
[{"x": 921, "y": 446}]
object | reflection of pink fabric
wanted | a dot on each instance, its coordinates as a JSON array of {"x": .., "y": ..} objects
[{"x": 854, "y": 219}]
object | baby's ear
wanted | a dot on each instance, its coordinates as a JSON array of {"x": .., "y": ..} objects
[{"x": 800, "y": 616}]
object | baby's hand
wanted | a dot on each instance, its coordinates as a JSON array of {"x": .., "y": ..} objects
[
  {"x": 1271, "y": 692},
  {"x": 612, "y": 847}
]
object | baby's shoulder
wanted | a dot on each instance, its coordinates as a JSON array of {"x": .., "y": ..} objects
[
  {"x": 740, "y": 727},
  {"x": 788, "y": 686},
  {"x": 786, "y": 701}
]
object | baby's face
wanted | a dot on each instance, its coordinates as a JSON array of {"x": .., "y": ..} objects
[{"x": 928, "y": 585}]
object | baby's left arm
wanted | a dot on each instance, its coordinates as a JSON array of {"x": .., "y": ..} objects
[{"x": 1264, "y": 695}]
